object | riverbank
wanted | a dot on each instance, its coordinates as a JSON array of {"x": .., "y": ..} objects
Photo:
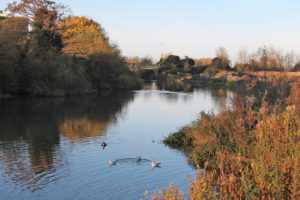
[
  {"x": 252, "y": 84},
  {"x": 250, "y": 150},
  {"x": 234, "y": 80}
]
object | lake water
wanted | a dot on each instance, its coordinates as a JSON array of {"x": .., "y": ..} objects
[{"x": 50, "y": 148}]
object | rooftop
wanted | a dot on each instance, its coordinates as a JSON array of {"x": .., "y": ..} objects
[{"x": 3, "y": 16}]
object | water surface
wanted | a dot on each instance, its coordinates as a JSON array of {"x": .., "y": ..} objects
[{"x": 50, "y": 148}]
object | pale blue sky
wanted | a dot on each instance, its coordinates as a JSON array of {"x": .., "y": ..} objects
[{"x": 193, "y": 27}]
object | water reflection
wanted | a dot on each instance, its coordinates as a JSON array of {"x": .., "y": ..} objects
[
  {"x": 171, "y": 94},
  {"x": 30, "y": 150},
  {"x": 173, "y": 90},
  {"x": 82, "y": 128},
  {"x": 221, "y": 97},
  {"x": 51, "y": 147},
  {"x": 174, "y": 85}
]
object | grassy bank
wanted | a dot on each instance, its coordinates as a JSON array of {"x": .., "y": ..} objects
[
  {"x": 249, "y": 151},
  {"x": 236, "y": 80},
  {"x": 216, "y": 83}
]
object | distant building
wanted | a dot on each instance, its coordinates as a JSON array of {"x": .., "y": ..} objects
[
  {"x": 4, "y": 16},
  {"x": 132, "y": 65}
]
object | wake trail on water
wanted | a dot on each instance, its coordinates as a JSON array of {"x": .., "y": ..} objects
[{"x": 132, "y": 161}]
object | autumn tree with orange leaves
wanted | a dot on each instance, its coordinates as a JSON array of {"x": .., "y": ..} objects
[{"x": 82, "y": 37}]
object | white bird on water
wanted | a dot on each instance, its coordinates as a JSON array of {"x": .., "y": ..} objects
[
  {"x": 155, "y": 164},
  {"x": 112, "y": 163}
]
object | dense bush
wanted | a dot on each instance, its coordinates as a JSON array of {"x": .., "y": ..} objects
[
  {"x": 173, "y": 64},
  {"x": 147, "y": 74},
  {"x": 198, "y": 69},
  {"x": 107, "y": 71}
]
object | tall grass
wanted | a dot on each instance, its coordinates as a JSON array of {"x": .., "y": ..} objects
[{"x": 247, "y": 152}]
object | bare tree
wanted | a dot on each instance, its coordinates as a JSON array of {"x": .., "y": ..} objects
[
  {"x": 221, "y": 53},
  {"x": 263, "y": 57},
  {"x": 279, "y": 59},
  {"x": 243, "y": 57},
  {"x": 146, "y": 61},
  {"x": 222, "y": 58},
  {"x": 27, "y": 8},
  {"x": 290, "y": 59}
]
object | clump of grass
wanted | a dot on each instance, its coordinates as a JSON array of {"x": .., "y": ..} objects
[
  {"x": 294, "y": 98},
  {"x": 172, "y": 193},
  {"x": 179, "y": 139}
]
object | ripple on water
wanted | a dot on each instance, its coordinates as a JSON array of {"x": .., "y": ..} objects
[{"x": 31, "y": 174}]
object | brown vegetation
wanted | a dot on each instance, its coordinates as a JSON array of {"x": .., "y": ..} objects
[
  {"x": 203, "y": 61},
  {"x": 264, "y": 59},
  {"x": 247, "y": 151}
]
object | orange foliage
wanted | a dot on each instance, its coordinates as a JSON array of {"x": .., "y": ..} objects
[
  {"x": 294, "y": 98},
  {"x": 246, "y": 153},
  {"x": 203, "y": 61},
  {"x": 82, "y": 36},
  {"x": 171, "y": 193},
  {"x": 80, "y": 128}
]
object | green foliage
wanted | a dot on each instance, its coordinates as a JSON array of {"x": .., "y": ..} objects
[
  {"x": 179, "y": 139},
  {"x": 53, "y": 75},
  {"x": 172, "y": 61},
  {"x": 106, "y": 71},
  {"x": 171, "y": 64}
]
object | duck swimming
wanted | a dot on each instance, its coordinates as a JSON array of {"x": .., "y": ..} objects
[
  {"x": 103, "y": 145},
  {"x": 155, "y": 164},
  {"x": 112, "y": 163}
]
